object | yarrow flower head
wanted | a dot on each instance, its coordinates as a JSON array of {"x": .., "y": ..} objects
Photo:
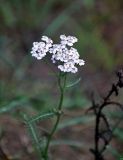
[
  {"x": 63, "y": 55},
  {"x": 70, "y": 40},
  {"x": 40, "y": 49}
]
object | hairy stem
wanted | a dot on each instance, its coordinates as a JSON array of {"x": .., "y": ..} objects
[{"x": 62, "y": 84}]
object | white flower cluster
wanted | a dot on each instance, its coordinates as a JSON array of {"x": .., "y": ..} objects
[
  {"x": 65, "y": 56},
  {"x": 40, "y": 49}
]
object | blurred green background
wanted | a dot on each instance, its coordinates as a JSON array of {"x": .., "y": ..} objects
[{"x": 27, "y": 84}]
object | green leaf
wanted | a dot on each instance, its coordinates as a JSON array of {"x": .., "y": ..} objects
[
  {"x": 74, "y": 83},
  {"x": 42, "y": 117},
  {"x": 34, "y": 134}
]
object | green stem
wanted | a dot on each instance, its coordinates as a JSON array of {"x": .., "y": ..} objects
[{"x": 62, "y": 89}]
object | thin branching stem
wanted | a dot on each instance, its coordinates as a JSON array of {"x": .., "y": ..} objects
[
  {"x": 98, "y": 117},
  {"x": 98, "y": 110}
]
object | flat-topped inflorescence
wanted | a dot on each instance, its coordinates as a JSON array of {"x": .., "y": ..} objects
[{"x": 63, "y": 55}]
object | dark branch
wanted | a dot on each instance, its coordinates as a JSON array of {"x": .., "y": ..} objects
[{"x": 105, "y": 135}]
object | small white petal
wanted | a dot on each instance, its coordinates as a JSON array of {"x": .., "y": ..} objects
[
  {"x": 81, "y": 62},
  {"x": 62, "y": 37}
]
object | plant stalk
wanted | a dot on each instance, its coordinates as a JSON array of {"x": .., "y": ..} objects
[{"x": 61, "y": 78}]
